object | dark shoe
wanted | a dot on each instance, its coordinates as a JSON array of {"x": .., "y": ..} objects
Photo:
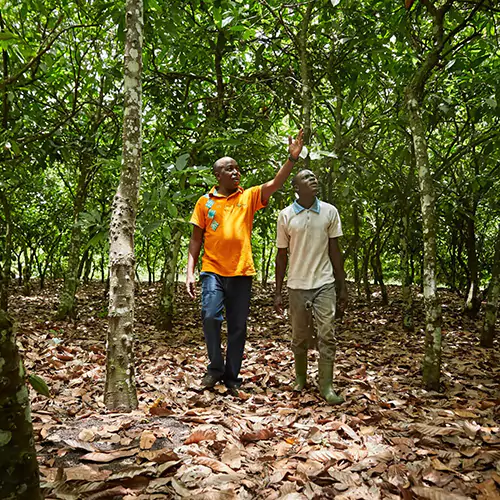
[
  {"x": 233, "y": 391},
  {"x": 209, "y": 381}
]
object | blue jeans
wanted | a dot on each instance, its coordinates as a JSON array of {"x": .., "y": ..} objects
[{"x": 233, "y": 294}]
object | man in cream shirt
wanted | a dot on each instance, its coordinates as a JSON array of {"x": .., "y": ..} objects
[{"x": 307, "y": 239}]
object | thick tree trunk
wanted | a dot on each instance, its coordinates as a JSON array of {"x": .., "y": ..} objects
[
  {"x": 490, "y": 317},
  {"x": 432, "y": 358},
  {"x": 167, "y": 300},
  {"x": 7, "y": 254},
  {"x": 120, "y": 389},
  {"x": 19, "y": 479},
  {"x": 67, "y": 296},
  {"x": 406, "y": 296}
]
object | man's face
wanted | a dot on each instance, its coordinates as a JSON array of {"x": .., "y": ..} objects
[
  {"x": 306, "y": 184},
  {"x": 228, "y": 174}
]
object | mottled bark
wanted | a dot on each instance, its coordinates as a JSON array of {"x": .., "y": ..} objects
[
  {"x": 7, "y": 254},
  {"x": 432, "y": 357},
  {"x": 490, "y": 317},
  {"x": 19, "y": 478},
  {"x": 67, "y": 295},
  {"x": 167, "y": 300},
  {"x": 406, "y": 295},
  {"x": 120, "y": 389}
]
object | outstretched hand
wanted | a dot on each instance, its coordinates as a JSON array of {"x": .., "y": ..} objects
[{"x": 295, "y": 145}]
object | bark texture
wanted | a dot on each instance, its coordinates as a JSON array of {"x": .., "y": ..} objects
[
  {"x": 406, "y": 276},
  {"x": 120, "y": 390},
  {"x": 19, "y": 478},
  {"x": 490, "y": 318},
  {"x": 7, "y": 254},
  {"x": 432, "y": 357}
]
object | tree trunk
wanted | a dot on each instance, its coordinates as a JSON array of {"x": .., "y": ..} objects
[
  {"x": 7, "y": 254},
  {"x": 472, "y": 302},
  {"x": 67, "y": 296},
  {"x": 490, "y": 317},
  {"x": 19, "y": 479},
  {"x": 120, "y": 389},
  {"x": 167, "y": 300},
  {"x": 432, "y": 358},
  {"x": 406, "y": 295},
  {"x": 357, "y": 275},
  {"x": 306, "y": 77},
  {"x": 378, "y": 274}
]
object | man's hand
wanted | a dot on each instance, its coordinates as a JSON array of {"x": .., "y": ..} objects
[
  {"x": 342, "y": 301},
  {"x": 295, "y": 146},
  {"x": 191, "y": 286},
  {"x": 278, "y": 303}
]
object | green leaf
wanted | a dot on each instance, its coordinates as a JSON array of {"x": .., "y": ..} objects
[
  {"x": 172, "y": 209},
  {"x": 7, "y": 35},
  {"x": 39, "y": 385},
  {"x": 181, "y": 161}
]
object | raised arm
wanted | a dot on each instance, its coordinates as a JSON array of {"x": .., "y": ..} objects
[
  {"x": 281, "y": 263},
  {"x": 294, "y": 149},
  {"x": 193, "y": 253},
  {"x": 338, "y": 269}
]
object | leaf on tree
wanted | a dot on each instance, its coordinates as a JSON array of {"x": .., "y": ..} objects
[{"x": 201, "y": 435}]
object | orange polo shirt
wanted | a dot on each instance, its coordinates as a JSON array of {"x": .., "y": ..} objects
[{"x": 227, "y": 222}]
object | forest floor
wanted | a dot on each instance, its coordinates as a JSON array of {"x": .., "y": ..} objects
[{"x": 390, "y": 439}]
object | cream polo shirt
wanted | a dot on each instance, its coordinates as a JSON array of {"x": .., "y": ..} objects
[{"x": 305, "y": 232}]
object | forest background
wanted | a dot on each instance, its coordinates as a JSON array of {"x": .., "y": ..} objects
[{"x": 399, "y": 105}]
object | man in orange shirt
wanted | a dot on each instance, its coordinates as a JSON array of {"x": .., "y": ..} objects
[{"x": 224, "y": 218}]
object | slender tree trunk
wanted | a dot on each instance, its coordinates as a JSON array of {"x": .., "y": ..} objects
[
  {"x": 378, "y": 273},
  {"x": 306, "y": 77},
  {"x": 490, "y": 317},
  {"x": 472, "y": 302},
  {"x": 432, "y": 358},
  {"x": 167, "y": 300},
  {"x": 67, "y": 296},
  {"x": 405, "y": 275},
  {"x": 7, "y": 254},
  {"x": 120, "y": 389},
  {"x": 19, "y": 479},
  {"x": 366, "y": 280},
  {"x": 357, "y": 275}
]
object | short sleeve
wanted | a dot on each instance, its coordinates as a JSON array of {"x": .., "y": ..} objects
[
  {"x": 256, "y": 197},
  {"x": 335, "y": 227},
  {"x": 198, "y": 217},
  {"x": 282, "y": 236}
]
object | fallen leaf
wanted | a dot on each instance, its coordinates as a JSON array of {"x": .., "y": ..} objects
[
  {"x": 108, "y": 457},
  {"x": 259, "y": 435},
  {"x": 201, "y": 435},
  {"x": 147, "y": 440}
]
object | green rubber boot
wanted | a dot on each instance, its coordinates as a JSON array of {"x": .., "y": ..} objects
[
  {"x": 325, "y": 379},
  {"x": 300, "y": 361}
]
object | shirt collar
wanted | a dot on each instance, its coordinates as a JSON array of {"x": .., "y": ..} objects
[
  {"x": 299, "y": 208},
  {"x": 213, "y": 192}
]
